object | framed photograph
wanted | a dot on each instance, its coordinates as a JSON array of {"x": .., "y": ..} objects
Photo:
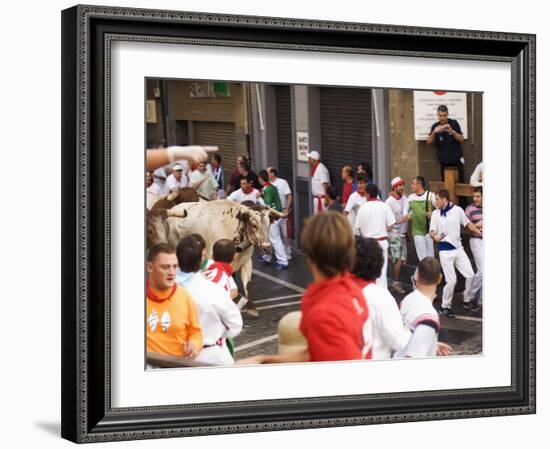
[{"x": 275, "y": 224}]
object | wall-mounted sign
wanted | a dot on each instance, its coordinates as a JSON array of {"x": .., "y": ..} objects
[
  {"x": 425, "y": 110},
  {"x": 208, "y": 89},
  {"x": 151, "y": 111},
  {"x": 302, "y": 143}
]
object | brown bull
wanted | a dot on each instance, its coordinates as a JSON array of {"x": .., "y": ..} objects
[{"x": 182, "y": 195}]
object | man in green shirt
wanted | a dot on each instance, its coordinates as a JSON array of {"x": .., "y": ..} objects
[
  {"x": 271, "y": 198},
  {"x": 421, "y": 204}
]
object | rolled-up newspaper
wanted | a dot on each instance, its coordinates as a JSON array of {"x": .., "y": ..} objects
[{"x": 242, "y": 302}]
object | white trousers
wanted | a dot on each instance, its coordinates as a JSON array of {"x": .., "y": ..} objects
[
  {"x": 476, "y": 245},
  {"x": 424, "y": 246},
  {"x": 382, "y": 281},
  {"x": 216, "y": 355},
  {"x": 277, "y": 243},
  {"x": 282, "y": 223},
  {"x": 451, "y": 259}
]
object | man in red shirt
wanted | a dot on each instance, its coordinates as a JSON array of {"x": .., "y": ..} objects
[
  {"x": 347, "y": 187},
  {"x": 335, "y": 316}
]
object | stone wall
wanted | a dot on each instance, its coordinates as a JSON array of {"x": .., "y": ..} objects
[{"x": 409, "y": 157}]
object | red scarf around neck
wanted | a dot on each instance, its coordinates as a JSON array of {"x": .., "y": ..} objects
[
  {"x": 312, "y": 172},
  {"x": 246, "y": 192},
  {"x": 152, "y": 295},
  {"x": 373, "y": 199},
  {"x": 225, "y": 267},
  {"x": 361, "y": 194},
  {"x": 396, "y": 195}
]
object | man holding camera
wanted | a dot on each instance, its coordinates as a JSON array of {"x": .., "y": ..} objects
[{"x": 447, "y": 137}]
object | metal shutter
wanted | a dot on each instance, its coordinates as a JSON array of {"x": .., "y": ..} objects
[
  {"x": 155, "y": 135},
  {"x": 346, "y": 129},
  {"x": 220, "y": 134},
  {"x": 284, "y": 133}
]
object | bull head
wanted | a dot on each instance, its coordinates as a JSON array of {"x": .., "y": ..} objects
[
  {"x": 254, "y": 227},
  {"x": 157, "y": 225}
]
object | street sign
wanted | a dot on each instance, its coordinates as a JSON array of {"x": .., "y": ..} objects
[{"x": 425, "y": 110}]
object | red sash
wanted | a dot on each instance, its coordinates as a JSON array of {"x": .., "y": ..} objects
[{"x": 320, "y": 207}]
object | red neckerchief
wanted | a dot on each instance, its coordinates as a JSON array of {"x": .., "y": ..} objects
[
  {"x": 312, "y": 172},
  {"x": 395, "y": 195},
  {"x": 267, "y": 184},
  {"x": 250, "y": 190},
  {"x": 373, "y": 199},
  {"x": 152, "y": 296},
  {"x": 225, "y": 267},
  {"x": 362, "y": 283},
  {"x": 361, "y": 194}
]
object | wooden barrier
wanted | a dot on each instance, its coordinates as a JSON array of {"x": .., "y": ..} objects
[
  {"x": 455, "y": 188},
  {"x": 158, "y": 360}
]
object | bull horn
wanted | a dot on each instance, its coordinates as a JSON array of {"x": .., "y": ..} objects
[
  {"x": 176, "y": 213},
  {"x": 172, "y": 196}
]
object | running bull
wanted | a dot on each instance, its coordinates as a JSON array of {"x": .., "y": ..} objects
[{"x": 247, "y": 226}]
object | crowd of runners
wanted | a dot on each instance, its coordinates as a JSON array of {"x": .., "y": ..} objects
[{"x": 353, "y": 239}]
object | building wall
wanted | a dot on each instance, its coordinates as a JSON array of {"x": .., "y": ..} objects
[
  {"x": 155, "y": 130},
  {"x": 185, "y": 110},
  {"x": 404, "y": 151},
  {"x": 409, "y": 157}
]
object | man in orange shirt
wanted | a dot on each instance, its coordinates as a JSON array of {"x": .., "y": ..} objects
[{"x": 172, "y": 322}]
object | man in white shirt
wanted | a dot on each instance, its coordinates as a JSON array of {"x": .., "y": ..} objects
[
  {"x": 176, "y": 180},
  {"x": 219, "y": 317},
  {"x": 153, "y": 189},
  {"x": 476, "y": 179},
  {"x": 389, "y": 335},
  {"x": 374, "y": 220},
  {"x": 419, "y": 314},
  {"x": 357, "y": 199},
  {"x": 246, "y": 193},
  {"x": 204, "y": 182},
  {"x": 445, "y": 226},
  {"x": 397, "y": 239},
  {"x": 285, "y": 195},
  {"x": 320, "y": 181}
]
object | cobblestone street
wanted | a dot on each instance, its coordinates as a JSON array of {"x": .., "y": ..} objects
[{"x": 275, "y": 293}]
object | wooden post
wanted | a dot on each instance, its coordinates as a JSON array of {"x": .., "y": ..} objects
[{"x": 451, "y": 177}]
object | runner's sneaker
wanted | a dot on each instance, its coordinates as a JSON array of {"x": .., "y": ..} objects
[
  {"x": 445, "y": 311},
  {"x": 263, "y": 259},
  {"x": 475, "y": 308},
  {"x": 280, "y": 266},
  {"x": 288, "y": 253}
]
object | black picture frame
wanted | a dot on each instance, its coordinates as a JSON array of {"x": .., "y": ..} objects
[{"x": 87, "y": 415}]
